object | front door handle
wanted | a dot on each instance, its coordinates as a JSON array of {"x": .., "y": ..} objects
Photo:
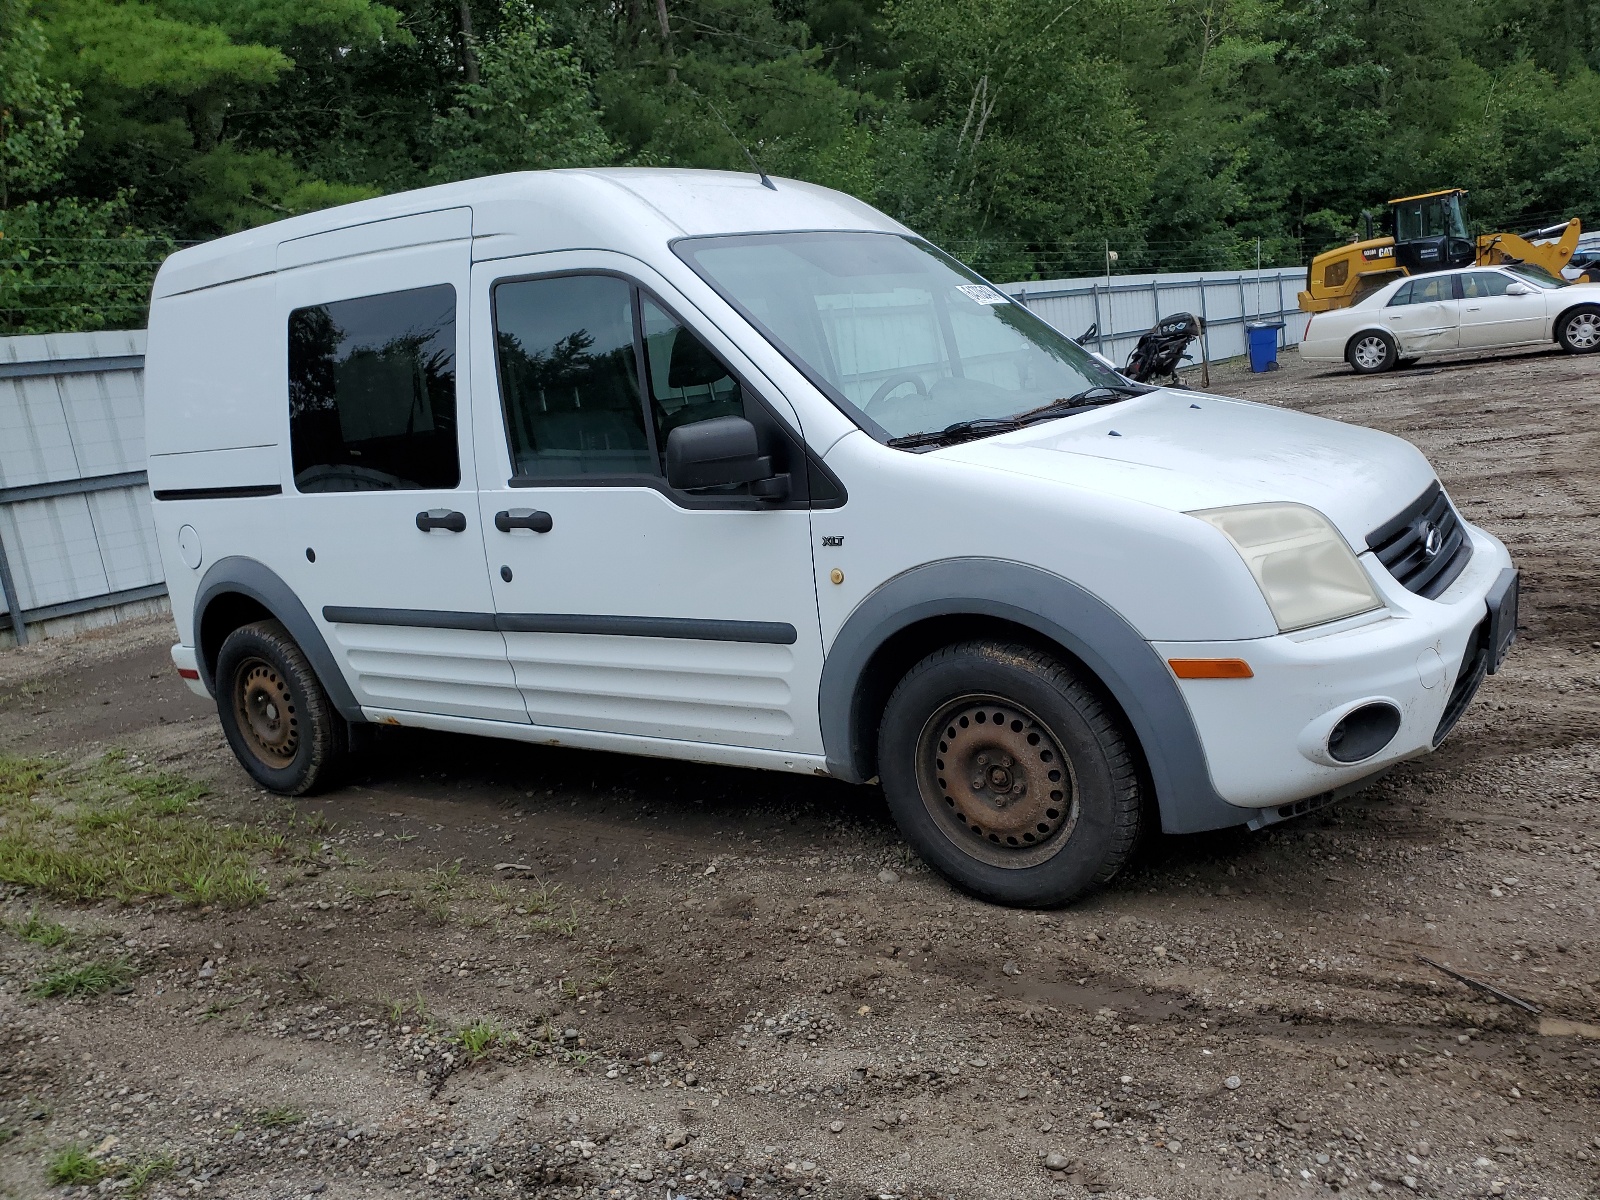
[
  {"x": 524, "y": 518},
  {"x": 442, "y": 518}
]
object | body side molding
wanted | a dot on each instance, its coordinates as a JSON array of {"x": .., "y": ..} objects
[
  {"x": 1067, "y": 614},
  {"x": 697, "y": 629},
  {"x": 247, "y": 577}
]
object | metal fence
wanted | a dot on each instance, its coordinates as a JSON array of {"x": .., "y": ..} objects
[
  {"x": 1125, "y": 306},
  {"x": 76, "y": 536},
  {"x": 77, "y": 545}
]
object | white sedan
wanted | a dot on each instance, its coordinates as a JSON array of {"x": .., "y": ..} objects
[{"x": 1475, "y": 308}]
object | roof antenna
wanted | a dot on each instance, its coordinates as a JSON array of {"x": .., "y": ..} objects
[{"x": 751, "y": 158}]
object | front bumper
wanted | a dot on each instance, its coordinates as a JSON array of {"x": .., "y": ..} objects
[{"x": 1266, "y": 738}]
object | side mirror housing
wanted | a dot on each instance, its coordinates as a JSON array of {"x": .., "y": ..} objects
[
  {"x": 721, "y": 452},
  {"x": 1518, "y": 289}
]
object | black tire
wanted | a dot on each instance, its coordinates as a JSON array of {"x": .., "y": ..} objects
[
  {"x": 1371, "y": 352},
  {"x": 1056, "y": 739},
  {"x": 1578, "y": 329},
  {"x": 274, "y": 712}
]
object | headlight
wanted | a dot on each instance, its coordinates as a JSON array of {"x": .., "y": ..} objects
[{"x": 1304, "y": 568}]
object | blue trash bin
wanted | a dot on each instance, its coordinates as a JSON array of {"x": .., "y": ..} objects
[{"x": 1263, "y": 341}]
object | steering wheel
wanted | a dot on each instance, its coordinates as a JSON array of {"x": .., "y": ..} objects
[{"x": 894, "y": 381}]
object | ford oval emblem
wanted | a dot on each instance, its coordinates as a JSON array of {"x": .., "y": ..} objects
[{"x": 1432, "y": 540}]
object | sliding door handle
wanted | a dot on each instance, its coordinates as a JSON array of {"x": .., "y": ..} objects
[
  {"x": 524, "y": 518},
  {"x": 442, "y": 518}
]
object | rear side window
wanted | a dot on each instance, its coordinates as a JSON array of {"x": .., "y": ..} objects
[
  {"x": 372, "y": 393},
  {"x": 1402, "y": 294}
]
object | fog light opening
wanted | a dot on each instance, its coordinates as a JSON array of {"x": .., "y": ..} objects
[{"x": 1363, "y": 732}]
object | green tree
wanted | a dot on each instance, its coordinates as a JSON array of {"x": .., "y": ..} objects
[
  {"x": 530, "y": 108},
  {"x": 36, "y": 128}
]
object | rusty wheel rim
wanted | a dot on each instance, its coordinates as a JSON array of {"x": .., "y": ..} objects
[
  {"x": 996, "y": 782},
  {"x": 266, "y": 712}
]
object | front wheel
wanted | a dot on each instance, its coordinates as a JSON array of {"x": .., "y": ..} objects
[
  {"x": 1008, "y": 774},
  {"x": 1372, "y": 352},
  {"x": 280, "y": 723},
  {"x": 1578, "y": 331}
]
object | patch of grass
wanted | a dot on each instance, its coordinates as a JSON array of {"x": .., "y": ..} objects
[
  {"x": 542, "y": 897},
  {"x": 442, "y": 879},
  {"x": 117, "y": 831},
  {"x": 281, "y": 1117},
  {"x": 42, "y": 931},
  {"x": 146, "y": 1171},
  {"x": 564, "y": 926},
  {"x": 85, "y": 979},
  {"x": 72, "y": 1165},
  {"x": 416, "y": 1006},
  {"x": 477, "y": 1039}
]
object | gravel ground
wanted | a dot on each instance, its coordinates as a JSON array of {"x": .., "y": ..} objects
[{"x": 498, "y": 970}]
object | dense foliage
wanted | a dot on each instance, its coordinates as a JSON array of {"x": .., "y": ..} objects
[{"x": 1027, "y": 135}]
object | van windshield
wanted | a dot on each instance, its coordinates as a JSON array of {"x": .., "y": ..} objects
[{"x": 903, "y": 338}]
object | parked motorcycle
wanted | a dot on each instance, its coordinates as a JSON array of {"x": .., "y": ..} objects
[{"x": 1160, "y": 350}]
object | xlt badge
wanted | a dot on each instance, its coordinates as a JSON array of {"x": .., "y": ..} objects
[{"x": 833, "y": 539}]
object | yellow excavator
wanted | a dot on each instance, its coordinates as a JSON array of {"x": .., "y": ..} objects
[{"x": 1430, "y": 234}]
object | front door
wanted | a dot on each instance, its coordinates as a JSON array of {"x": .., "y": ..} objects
[
  {"x": 379, "y": 533},
  {"x": 1490, "y": 318},
  {"x": 630, "y": 608},
  {"x": 1424, "y": 316}
]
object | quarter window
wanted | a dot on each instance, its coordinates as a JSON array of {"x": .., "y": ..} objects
[
  {"x": 372, "y": 393},
  {"x": 569, "y": 377},
  {"x": 1402, "y": 294}
]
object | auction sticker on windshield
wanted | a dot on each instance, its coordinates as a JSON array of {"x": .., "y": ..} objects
[{"x": 982, "y": 293}]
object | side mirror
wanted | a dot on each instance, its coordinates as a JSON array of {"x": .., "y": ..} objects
[
  {"x": 1518, "y": 289},
  {"x": 721, "y": 452}
]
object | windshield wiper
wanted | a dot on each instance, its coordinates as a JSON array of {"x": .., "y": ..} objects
[
  {"x": 961, "y": 431},
  {"x": 951, "y": 434},
  {"x": 1101, "y": 393}
]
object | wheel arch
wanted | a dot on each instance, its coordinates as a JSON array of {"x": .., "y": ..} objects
[
  {"x": 1555, "y": 325},
  {"x": 937, "y": 604},
  {"x": 1357, "y": 334},
  {"x": 236, "y": 591}
]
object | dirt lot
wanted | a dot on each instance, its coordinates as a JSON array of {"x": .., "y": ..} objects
[{"x": 488, "y": 969}]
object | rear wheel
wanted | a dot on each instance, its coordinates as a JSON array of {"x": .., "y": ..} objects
[
  {"x": 276, "y": 717},
  {"x": 1578, "y": 331},
  {"x": 1372, "y": 352},
  {"x": 1008, "y": 774}
]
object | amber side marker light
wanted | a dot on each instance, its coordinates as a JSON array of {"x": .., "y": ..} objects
[{"x": 1210, "y": 668}]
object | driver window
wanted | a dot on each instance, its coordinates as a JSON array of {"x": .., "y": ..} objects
[
  {"x": 372, "y": 393},
  {"x": 1483, "y": 283},
  {"x": 687, "y": 382}
]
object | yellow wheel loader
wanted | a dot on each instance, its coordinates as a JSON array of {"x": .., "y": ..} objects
[{"x": 1430, "y": 234}]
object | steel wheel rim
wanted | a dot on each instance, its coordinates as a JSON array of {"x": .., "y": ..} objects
[
  {"x": 1583, "y": 331},
  {"x": 1370, "y": 352},
  {"x": 1000, "y": 789},
  {"x": 266, "y": 712}
]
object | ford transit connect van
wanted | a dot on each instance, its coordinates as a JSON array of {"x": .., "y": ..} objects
[{"x": 705, "y": 466}]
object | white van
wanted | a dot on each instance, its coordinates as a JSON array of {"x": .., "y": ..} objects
[{"x": 712, "y": 467}]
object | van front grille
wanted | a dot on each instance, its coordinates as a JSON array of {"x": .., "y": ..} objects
[{"x": 1425, "y": 547}]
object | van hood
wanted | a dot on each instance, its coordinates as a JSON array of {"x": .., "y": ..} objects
[{"x": 1190, "y": 450}]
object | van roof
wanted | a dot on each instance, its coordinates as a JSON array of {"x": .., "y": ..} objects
[{"x": 633, "y": 210}]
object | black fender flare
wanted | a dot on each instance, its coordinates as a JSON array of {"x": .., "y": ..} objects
[
  {"x": 247, "y": 577},
  {"x": 1055, "y": 608}
]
